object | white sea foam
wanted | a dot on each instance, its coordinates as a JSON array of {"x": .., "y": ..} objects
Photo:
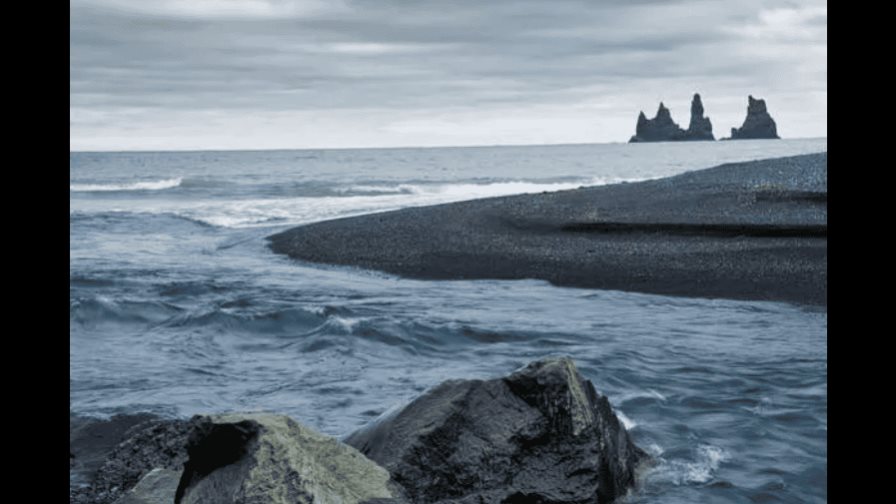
[
  {"x": 648, "y": 393},
  {"x": 255, "y": 212},
  {"x": 654, "y": 449},
  {"x": 381, "y": 189},
  {"x": 627, "y": 422},
  {"x": 471, "y": 190},
  {"x": 345, "y": 323},
  {"x": 683, "y": 472},
  {"x": 153, "y": 185}
]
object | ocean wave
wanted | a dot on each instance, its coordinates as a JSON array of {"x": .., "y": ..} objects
[
  {"x": 151, "y": 185},
  {"x": 99, "y": 310},
  {"x": 351, "y": 201},
  {"x": 678, "y": 472},
  {"x": 480, "y": 190},
  {"x": 627, "y": 422},
  {"x": 141, "y": 220},
  {"x": 641, "y": 397}
]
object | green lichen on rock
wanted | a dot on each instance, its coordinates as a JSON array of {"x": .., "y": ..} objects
[
  {"x": 157, "y": 487},
  {"x": 277, "y": 461}
]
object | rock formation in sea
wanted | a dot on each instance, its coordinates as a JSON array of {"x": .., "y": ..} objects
[
  {"x": 663, "y": 129},
  {"x": 541, "y": 434},
  {"x": 700, "y": 127},
  {"x": 659, "y": 129},
  {"x": 758, "y": 124}
]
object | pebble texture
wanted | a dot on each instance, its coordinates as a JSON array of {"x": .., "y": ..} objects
[{"x": 755, "y": 230}]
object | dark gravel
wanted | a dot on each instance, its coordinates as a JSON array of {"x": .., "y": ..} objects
[{"x": 754, "y": 230}]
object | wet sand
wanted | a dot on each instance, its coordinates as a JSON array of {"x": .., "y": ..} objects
[{"x": 755, "y": 231}]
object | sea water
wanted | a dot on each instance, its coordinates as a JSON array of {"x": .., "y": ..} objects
[{"x": 177, "y": 307}]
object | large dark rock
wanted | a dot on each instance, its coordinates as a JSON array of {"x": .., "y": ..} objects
[
  {"x": 541, "y": 435},
  {"x": 272, "y": 459},
  {"x": 91, "y": 440},
  {"x": 659, "y": 129},
  {"x": 700, "y": 127},
  {"x": 235, "y": 459},
  {"x": 157, "y": 487},
  {"x": 758, "y": 124},
  {"x": 146, "y": 446}
]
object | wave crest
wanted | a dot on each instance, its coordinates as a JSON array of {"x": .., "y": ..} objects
[{"x": 151, "y": 185}]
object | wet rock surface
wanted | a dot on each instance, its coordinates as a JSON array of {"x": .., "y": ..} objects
[
  {"x": 146, "y": 446},
  {"x": 255, "y": 458},
  {"x": 542, "y": 434},
  {"x": 157, "y": 487},
  {"x": 91, "y": 440}
]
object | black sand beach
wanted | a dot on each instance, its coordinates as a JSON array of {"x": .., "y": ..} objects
[{"x": 754, "y": 230}]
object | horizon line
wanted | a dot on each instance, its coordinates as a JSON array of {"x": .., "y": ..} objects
[{"x": 407, "y": 147}]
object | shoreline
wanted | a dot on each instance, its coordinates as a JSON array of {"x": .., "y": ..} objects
[{"x": 754, "y": 230}]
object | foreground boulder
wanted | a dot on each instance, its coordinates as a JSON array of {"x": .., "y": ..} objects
[
  {"x": 157, "y": 487},
  {"x": 271, "y": 459},
  {"x": 758, "y": 124},
  {"x": 148, "y": 445},
  {"x": 541, "y": 435},
  {"x": 92, "y": 440}
]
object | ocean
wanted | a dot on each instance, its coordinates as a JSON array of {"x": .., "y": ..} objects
[{"x": 178, "y": 307}]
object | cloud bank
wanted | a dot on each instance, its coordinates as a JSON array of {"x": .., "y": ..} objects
[{"x": 254, "y": 74}]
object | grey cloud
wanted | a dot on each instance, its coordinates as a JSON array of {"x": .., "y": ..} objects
[{"x": 409, "y": 55}]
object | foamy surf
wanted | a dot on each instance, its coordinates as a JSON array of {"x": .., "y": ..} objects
[
  {"x": 154, "y": 185},
  {"x": 707, "y": 459},
  {"x": 627, "y": 422},
  {"x": 491, "y": 189},
  {"x": 262, "y": 212}
]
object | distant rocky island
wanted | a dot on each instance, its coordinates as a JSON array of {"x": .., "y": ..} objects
[
  {"x": 663, "y": 129},
  {"x": 758, "y": 124}
]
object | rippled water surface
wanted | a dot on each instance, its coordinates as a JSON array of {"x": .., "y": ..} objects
[{"x": 178, "y": 307}]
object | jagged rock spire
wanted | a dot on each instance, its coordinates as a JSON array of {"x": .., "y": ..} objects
[
  {"x": 700, "y": 128},
  {"x": 758, "y": 124},
  {"x": 662, "y": 128}
]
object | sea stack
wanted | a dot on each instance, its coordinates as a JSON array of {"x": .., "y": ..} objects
[
  {"x": 758, "y": 124},
  {"x": 659, "y": 129},
  {"x": 663, "y": 129},
  {"x": 700, "y": 127}
]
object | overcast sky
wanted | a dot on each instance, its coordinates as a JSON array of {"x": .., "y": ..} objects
[{"x": 261, "y": 74}]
